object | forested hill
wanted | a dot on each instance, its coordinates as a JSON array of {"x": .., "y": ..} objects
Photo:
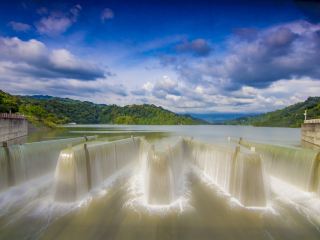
[
  {"x": 51, "y": 111},
  {"x": 291, "y": 116}
]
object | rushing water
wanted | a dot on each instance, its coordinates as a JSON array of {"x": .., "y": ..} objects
[{"x": 162, "y": 182}]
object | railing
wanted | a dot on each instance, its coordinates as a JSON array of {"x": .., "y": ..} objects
[
  {"x": 312, "y": 121},
  {"x": 11, "y": 116}
]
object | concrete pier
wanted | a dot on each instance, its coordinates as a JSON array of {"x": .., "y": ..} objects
[
  {"x": 12, "y": 126},
  {"x": 310, "y": 131}
]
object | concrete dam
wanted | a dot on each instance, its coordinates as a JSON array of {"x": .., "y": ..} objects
[
  {"x": 82, "y": 164},
  {"x": 236, "y": 170},
  {"x": 12, "y": 126},
  {"x": 310, "y": 132},
  {"x": 91, "y": 181}
]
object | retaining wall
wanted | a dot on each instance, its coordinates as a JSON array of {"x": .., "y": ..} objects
[
  {"x": 310, "y": 131},
  {"x": 12, "y": 126}
]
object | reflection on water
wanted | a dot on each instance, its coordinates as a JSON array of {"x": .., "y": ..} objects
[
  {"x": 159, "y": 195},
  {"x": 210, "y": 133}
]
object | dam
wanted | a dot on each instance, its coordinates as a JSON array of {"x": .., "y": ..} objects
[
  {"x": 136, "y": 187},
  {"x": 235, "y": 170},
  {"x": 310, "y": 132},
  {"x": 12, "y": 126}
]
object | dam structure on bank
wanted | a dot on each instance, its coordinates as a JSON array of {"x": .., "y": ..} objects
[
  {"x": 310, "y": 132},
  {"x": 12, "y": 127}
]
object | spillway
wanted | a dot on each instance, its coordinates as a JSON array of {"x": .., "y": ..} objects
[
  {"x": 20, "y": 163},
  {"x": 85, "y": 166},
  {"x": 159, "y": 179},
  {"x": 164, "y": 174},
  {"x": 297, "y": 166},
  {"x": 240, "y": 172},
  {"x": 236, "y": 170}
]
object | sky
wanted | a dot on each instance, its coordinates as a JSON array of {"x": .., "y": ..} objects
[{"x": 188, "y": 56}]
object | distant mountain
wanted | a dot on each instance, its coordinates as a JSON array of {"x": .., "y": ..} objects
[
  {"x": 220, "y": 118},
  {"x": 291, "y": 116},
  {"x": 42, "y": 96},
  {"x": 50, "y": 111}
]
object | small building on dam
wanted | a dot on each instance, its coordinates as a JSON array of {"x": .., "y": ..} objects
[{"x": 12, "y": 126}]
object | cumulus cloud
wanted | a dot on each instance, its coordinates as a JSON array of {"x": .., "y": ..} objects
[
  {"x": 260, "y": 70},
  {"x": 165, "y": 87},
  {"x": 57, "y": 22},
  {"x": 19, "y": 26},
  {"x": 30, "y": 67},
  {"x": 284, "y": 51},
  {"x": 281, "y": 52},
  {"x": 203, "y": 99},
  {"x": 33, "y": 58},
  {"x": 99, "y": 90},
  {"x": 107, "y": 14},
  {"x": 198, "y": 47},
  {"x": 267, "y": 70}
]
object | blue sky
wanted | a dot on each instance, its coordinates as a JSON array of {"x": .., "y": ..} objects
[{"x": 187, "y": 56}]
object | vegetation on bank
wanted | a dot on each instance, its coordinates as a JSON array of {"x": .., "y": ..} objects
[
  {"x": 50, "y": 111},
  {"x": 35, "y": 113},
  {"x": 291, "y": 116}
]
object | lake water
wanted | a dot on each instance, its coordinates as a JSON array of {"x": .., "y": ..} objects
[
  {"x": 209, "y": 133},
  {"x": 205, "y": 211}
]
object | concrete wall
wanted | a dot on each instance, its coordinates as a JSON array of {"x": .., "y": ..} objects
[
  {"x": 12, "y": 127},
  {"x": 310, "y": 131}
]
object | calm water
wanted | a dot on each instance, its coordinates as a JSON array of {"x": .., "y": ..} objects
[
  {"x": 205, "y": 212},
  {"x": 209, "y": 133}
]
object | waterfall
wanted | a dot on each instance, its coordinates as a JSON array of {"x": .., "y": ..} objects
[
  {"x": 235, "y": 170},
  {"x": 248, "y": 183},
  {"x": 85, "y": 166},
  {"x": 164, "y": 174},
  {"x": 71, "y": 174},
  {"x": 215, "y": 161},
  {"x": 159, "y": 179},
  {"x": 19, "y": 163},
  {"x": 297, "y": 166},
  {"x": 5, "y": 169}
]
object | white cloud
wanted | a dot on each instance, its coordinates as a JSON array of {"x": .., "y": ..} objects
[
  {"x": 33, "y": 58},
  {"x": 58, "y": 22},
  {"x": 273, "y": 68},
  {"x": 148, "y": 86}
]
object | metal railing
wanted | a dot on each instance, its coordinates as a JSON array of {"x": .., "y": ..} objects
[
  {"x": 312, "y": 121},
  {"x": 11, "y": 116}
]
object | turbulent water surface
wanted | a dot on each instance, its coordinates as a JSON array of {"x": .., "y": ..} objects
[{"x": 161, "y": 182}]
